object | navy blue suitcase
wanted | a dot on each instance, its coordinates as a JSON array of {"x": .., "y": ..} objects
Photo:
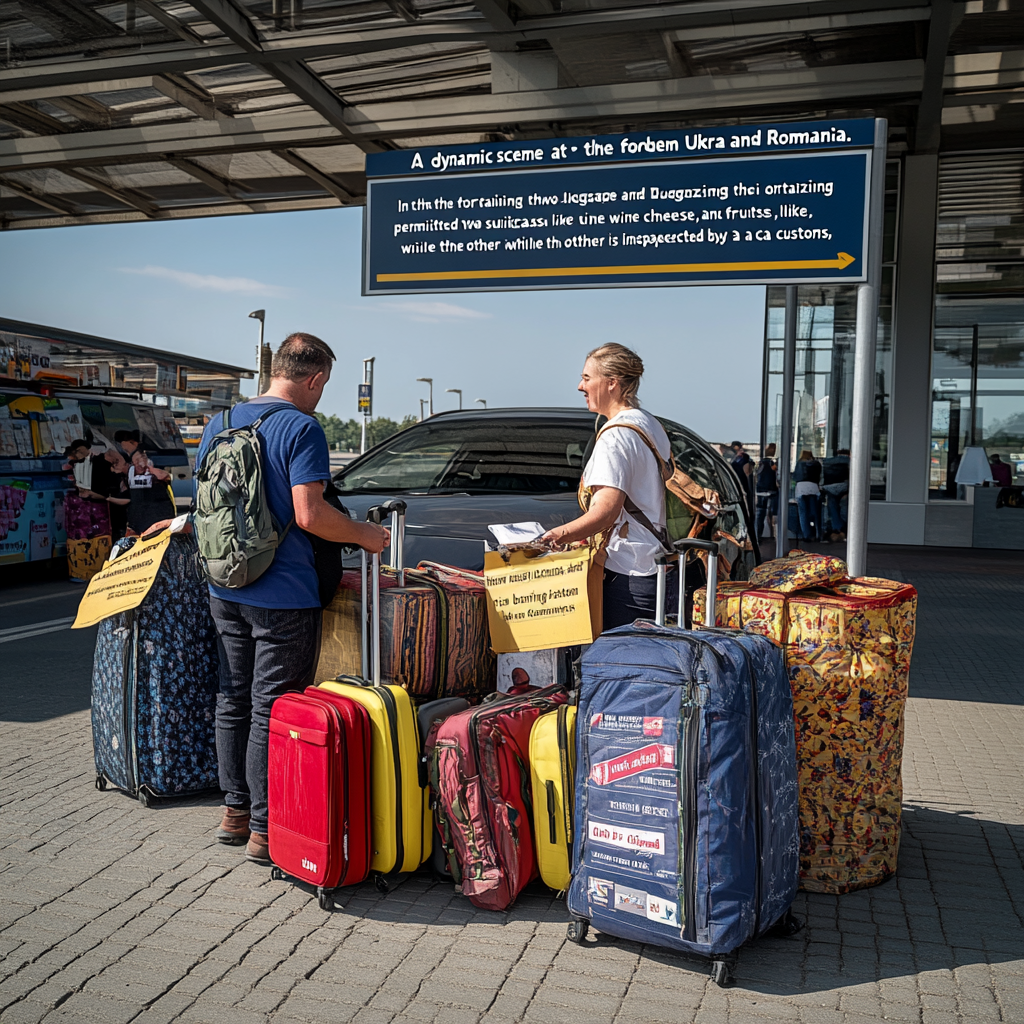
[
  {"x": 154, "y": 686},
  {"x": 686, "y": 790}
]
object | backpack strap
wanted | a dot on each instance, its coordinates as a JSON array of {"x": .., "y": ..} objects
[{"x": 665, "y": 468}]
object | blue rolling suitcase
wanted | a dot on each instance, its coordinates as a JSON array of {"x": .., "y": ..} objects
[
  {"x": 154, "y": 686},
  {"x": 686, "y": 788}
]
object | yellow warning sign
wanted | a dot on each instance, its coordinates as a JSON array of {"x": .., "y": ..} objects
[{"x": 123, "y": 583}]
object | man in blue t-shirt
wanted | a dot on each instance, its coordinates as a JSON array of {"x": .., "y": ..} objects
[{"x": 269, "y": 631}]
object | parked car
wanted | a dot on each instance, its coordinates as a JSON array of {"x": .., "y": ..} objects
[{"x": 461, "y": 471}]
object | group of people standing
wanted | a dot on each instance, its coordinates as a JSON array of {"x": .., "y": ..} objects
[
  {"x": 118, "y": 491},
  {"x": 818, "y": 487}
]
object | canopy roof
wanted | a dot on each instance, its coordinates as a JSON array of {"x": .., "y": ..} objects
[{"x": 157, "y": 109}]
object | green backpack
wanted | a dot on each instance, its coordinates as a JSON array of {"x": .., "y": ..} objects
[{"x": 238, "y": 537}]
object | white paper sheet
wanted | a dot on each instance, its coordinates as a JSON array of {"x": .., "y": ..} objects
[{"x": 516, "y": 533}]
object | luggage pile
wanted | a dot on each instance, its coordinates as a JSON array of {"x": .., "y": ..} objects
[
  {"x": 676, "y": 785},
  {"x": 847, "y": 645}
]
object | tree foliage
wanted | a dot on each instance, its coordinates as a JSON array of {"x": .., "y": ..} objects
[{"x": 345, "y": 434}]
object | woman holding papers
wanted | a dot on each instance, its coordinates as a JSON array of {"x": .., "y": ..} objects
[{"x": 622, "y": 490}]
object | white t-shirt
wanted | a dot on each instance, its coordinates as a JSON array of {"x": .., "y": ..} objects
[{"x": 622, "y": 460}]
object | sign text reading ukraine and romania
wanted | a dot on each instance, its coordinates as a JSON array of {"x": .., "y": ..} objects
[{"x": 753, "y": 204}]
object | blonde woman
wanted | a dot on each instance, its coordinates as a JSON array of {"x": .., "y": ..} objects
[{"x": 624, "y": 479}]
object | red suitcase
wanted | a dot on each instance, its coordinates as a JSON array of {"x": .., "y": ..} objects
[
  {"x": 480, "y": 775},
  {"x": 318, "y": 790}
]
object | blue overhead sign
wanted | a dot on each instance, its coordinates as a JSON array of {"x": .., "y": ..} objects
[{"x": 753, "y": 204}]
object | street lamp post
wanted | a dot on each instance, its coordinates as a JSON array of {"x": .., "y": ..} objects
[
  {"x": 455, "y": 391},
  {"x": 423, "y": 402},
  {"x": 482, "y": 401},
  {"x": 262, "y": 371},
  {"x": 430, "y": 382}
]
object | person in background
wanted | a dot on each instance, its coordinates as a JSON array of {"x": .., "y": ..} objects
[
  {"x": 86, "y": 511},
  {"x": 835, "y": 483},
  {"x": 150, "y": 496},
  {"x": 128, "y": 442},
  {"x": 743, "y": 467},
  {"x": 807, "y": 477},
  {"x": 115, "y": 487},
  {"x": 1001, "y": 471},
  {"x": 767, "y": 483},
  {"x": 269, "y": 631},
  {"x": 626, "y": 486}
]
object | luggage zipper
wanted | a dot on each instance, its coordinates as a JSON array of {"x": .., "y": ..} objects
[
  {"x": 391, "y": 709},
  {"x": 565, "y": 758},
  {"x": 755, "y": 793},
  {"x": 339, "y": 742},
  {"x": 688, "y": 786},
  {"x": 130, "y": 713}
]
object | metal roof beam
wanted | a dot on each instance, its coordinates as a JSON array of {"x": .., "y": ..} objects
[
  {"x": 296, "y": 75},
  {"x": 214, "y": 181},
  {"x": 187, "y": 94},
  {"x": 325, "y": 181},
  {"x": 40, "y": 198},
  {"x": 746, "y": 95},
  {"x": 126, "y": 196},
  {"x": 169, "y": 22},
  {"x": 313, "y": 45},
  {"x": 928, "y": 131}
]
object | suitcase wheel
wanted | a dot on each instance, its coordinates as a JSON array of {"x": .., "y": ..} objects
[
  {"x": 577, "y": 931},
  {"x": 382, "y": 884},
  {"x": 276, "y": 874},
  {"x": 721, "y": 974},
  {"x": 324, "y": 900},
  {"x": 144, "y": 798},
  {"x": 101, "y": 783}
]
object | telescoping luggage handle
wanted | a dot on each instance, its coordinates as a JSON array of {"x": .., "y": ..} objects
[
  {"x": 370, "y": 595},
  {"x": 682, "y": 547}
]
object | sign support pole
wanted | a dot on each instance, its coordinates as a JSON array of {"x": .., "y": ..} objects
[
  {"x": 785, "y": 450},
  {"x": 862, "y": 432},
  {"x": 366, "y": 401}
]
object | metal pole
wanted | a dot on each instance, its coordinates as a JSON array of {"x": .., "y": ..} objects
[
  {"x": 785, "y": 453},
  {"x": 259, "y": 363},
  {"x": 864, "y": 368},
  {"x": 367, "y": 379}
]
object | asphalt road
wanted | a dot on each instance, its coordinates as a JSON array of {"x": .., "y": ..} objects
[{"x": 45, "y": 666}]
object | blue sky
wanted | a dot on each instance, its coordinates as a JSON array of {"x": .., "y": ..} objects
[{"x": 187, "y": 286}]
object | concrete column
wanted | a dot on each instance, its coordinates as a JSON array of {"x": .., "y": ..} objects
[{"x": 910, "y": 388}]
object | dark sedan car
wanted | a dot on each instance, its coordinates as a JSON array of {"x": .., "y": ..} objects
[{"x": 459, "y": 472}]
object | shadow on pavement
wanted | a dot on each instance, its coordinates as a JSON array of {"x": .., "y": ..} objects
[{"x": 951, "y": 905}]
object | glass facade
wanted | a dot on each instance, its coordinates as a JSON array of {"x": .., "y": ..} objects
[
  {"x": 978, "y": 337},
  {"x": 826, "y": 327}
]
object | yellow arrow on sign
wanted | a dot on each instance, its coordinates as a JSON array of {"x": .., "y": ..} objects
[{"x": 841, "y": 262}]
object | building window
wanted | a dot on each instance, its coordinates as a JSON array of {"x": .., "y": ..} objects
[
  {"x": 826, "y": 332},
  {"x": 978, "y": 337}
]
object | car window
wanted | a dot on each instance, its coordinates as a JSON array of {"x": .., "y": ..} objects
[{"x": 493, "y": 456}]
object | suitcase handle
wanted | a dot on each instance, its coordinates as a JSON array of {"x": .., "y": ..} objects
[
  {"x": 370, "y": 605},
  {"x": 682, "y": 546},
  {"x": 396, "y": 509}
]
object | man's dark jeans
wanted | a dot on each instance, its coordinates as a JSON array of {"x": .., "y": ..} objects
[{"x": 264, "y": 652}]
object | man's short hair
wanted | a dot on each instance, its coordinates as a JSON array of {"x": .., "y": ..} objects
[
  {"x": 126, "y": 435},
  {"x": 301, "y": 356},
  {"x": 79, "y": 442}
]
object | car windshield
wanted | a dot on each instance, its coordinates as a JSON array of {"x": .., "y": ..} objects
[{"x": 482, "y": 457}]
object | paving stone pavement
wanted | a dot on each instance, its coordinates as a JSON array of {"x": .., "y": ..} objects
[{"x": 113, "y": 913}]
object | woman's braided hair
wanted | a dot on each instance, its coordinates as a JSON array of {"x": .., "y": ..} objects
[{"x": 622, "y": 364}]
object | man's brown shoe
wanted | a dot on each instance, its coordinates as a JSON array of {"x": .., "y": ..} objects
[
  {"x": 234, "y": 826},
  {"x": 258, "y": 849}
]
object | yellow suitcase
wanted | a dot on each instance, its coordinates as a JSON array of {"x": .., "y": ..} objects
[
  {"x": 401, "y": 822},
  {"x": 553, "y": 770}
]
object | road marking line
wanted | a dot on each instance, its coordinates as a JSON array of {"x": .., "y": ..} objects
[
  {"x": 35, "y": 629},
  {"x": 841, "y": 262},
  {"x": 41, "y": 597}
]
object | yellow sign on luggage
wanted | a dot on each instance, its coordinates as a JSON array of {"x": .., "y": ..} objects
[
  {"x": 537, "y": 601},
  {"x": 123, "y": 583}
]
